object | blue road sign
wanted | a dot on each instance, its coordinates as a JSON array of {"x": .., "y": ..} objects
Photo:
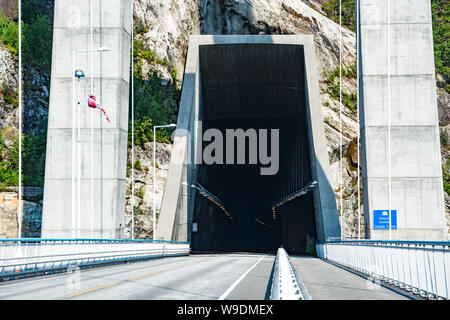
[{"x": 381, "y": 219}]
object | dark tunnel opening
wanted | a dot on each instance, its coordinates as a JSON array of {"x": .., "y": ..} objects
[{"x": 253, "y": 87}]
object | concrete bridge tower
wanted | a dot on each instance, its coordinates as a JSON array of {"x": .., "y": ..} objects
[
  {"x": 85, "y": 181},
  {"x": 400, "y": 128}
]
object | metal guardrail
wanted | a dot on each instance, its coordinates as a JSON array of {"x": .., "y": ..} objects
[
  {"x": 286, "y": 283},
  {"x": 19, "y": 257},
  {"x": 420, "y": 267}
]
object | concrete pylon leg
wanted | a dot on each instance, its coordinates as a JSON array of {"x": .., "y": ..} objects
[
  {"x": 84, "y": 192},
  {"x": 399, "y": 116}
]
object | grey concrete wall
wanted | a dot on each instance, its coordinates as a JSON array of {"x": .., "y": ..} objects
[
  {"x": 416, "y": 176},
  {"x": 105, "y": 203},
  {"x": 177, "y": 207}
]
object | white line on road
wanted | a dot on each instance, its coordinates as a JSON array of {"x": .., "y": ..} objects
[{"x": 223, "y": 296}]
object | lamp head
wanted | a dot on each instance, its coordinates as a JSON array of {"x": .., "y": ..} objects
[{"x": 79, "y": 73}]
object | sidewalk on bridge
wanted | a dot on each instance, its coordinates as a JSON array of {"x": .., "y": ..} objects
[{"x": 325, "y": 281}]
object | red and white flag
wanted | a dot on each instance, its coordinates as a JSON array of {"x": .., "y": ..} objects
[{"x": 92, "y": 102}]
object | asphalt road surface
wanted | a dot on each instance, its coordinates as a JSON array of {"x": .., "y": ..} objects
[
  {"x": 237, "y": 276},
  {"x": 325, "y": 281}
]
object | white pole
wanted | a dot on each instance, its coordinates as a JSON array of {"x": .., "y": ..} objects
[
  {"x": 73, "y": 145},
  {"x": 340, "y": 121},
  {"x": 357, "y": 106},
  {"x": 19, "y": 215},
  {"x": 389, "y": 113},
  {"x": 132, "y": 120},
  {"x": 154, "y": 183},
  {"x": 79, "y": 166},
  {"x": 92, "y": 117}
]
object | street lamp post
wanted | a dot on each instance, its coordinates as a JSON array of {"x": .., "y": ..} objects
[
  {"x": 154, "y": 173},
  {"x": 78, "y": 74}
]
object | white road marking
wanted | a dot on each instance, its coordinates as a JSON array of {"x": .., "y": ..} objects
[{"x": 226, "y": 293}]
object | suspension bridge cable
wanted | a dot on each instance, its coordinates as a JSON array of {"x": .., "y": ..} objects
[
  {"x": 19, "y": 215},
  {"x": 389, "y": 111},
  {"x": 340, "y": 123},
  {"x": 132, "y": 123},
  {"x": 357, "y": 116}
]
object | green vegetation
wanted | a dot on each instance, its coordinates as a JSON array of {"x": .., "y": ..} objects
[
  {"x": 9, "y": 157},
  {"x": 9, "y": 33},
  {"x": 444, "y": 138},
  {"x": 331, "y": 8},
  {"x": 10, "y": 96},
  {"x": 37, "y": 43},
  {"x": 33, "y": 158},
  {"x": 446, "y": 176},
  {"x": 441, "y": 36},
  {"x": 155, "y": 103},
  {"x": 34, "y": 147},
  {"x": 37, "y": 34},
  {"x": 140, "y": 192},
  {"x": 137, "y": 164},
  {"x": 31, "y": 9},
  {"x": 349, "y": 99}
]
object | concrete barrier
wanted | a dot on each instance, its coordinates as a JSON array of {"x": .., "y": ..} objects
[{"x": 286, "y": 283}]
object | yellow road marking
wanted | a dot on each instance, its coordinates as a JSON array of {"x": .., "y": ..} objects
[
  {"x": 132, "y": 279},
  {"x": 94, "y": 289},
  {"x": 143, "y": 276}
]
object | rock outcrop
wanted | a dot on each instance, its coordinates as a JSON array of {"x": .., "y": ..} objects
[
  {"x": 143, "y": 199},
  {"x": 32, "y": 214},
  {"x": 8, "y": 88}
]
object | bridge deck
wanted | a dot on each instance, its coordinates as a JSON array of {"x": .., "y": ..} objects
[
  {"x": 237, "y": 276},
  {"x": 325, "y": 281}
]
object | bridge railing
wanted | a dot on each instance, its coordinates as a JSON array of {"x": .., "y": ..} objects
[
  {"x": 37, "y": 256},
  {"x": 416, "y": 266}
]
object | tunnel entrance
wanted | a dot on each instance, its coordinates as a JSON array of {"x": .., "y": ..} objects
[{"x": 255, "y": 86}]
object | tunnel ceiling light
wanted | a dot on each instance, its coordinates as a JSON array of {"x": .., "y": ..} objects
[
  {"x": 265, "y": 224},
  {"x": 208, "y": 195},
  {"x": 291, "y": 197}
]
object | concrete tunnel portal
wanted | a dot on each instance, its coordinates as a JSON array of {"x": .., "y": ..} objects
[{"x": 255, "y": 86}]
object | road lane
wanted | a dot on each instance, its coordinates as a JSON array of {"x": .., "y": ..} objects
[
  {"x": 236, "y": 276},
  {"x": 325, "y": 281},
  {"x": 256, "y": 285},
  {"x": 193, "y": 277}
]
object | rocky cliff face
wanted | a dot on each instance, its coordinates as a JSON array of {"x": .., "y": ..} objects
[
  {"x": 8, "y": 88},
  {"x": 164, "y": 27},
  {"x": 9, "y": 7},
  {"x": 32, "y": 213},
  {"x": 143, "y": 199}
]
